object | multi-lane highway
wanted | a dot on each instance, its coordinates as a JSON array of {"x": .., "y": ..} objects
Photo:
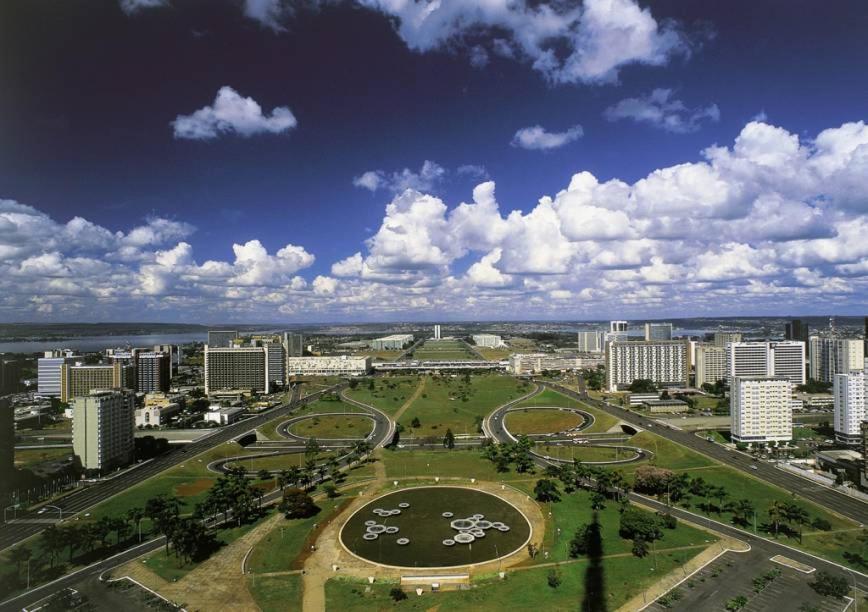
[
  {"x": 78, "y": 501},
  {"x": 836, "y": 501}
]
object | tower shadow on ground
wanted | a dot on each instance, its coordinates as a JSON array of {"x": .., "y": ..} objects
[{"x": 595, "y": 580}]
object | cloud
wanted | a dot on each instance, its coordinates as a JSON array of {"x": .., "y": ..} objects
[
  {"x": 231, "y": 113},
  {"x": 425, "y": 179},
  {"x": 566, "y": 42},
  {"x": 661, "y": 110},
  {"x": 536, "y": 138},
  {"x": 473, "y": 170},
  {"x": 131, "y": 7},
  {"x": 266, "y": 12}
]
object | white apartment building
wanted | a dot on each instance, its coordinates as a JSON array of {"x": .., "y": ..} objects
[
  {"x": 223, "y": 416},
  {"x": 850, "y": 393},
  {"x": 437, "y": 332},
  {"x": 239, "y": 368},
  {"x": 830, "y": 356},
  {"x": 756, "y": 359},
  {"x": 761, "y": 409},
  {"x": 48, "y": 371},
  {"x": 710, "y": 364},
  {"x": 338, "y": 365},
  {"x": 102, "y": 429},
  {"x": 487, "y": 340},
  {"x": 395, "y": 342},
  {"x": 658, "y": 331},
  {"x": 591, "y": 341},
  {"x": 665, "y": 362}
]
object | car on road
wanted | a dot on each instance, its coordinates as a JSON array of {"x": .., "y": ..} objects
[{"x": 753, "y": 467}]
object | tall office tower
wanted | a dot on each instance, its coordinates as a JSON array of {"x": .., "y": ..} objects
[
  {"x": 153, "y": 372},
  {"x": 48, "y": 372},
  {"x": 830, "y": 356},
  {"x": 221, "y": 338},
  {"x": 658, "y": 331},
  {"x": 710, "y": 364},
  {"x": 7, "y": 449},
  {"x": 239, "y": 369},
  {"x": 77, "y": 380},
  {"x": 10, "y": 376},
  {"x": 436, "y": 332},
  {"x": 294, "y": 344},
  {"x": 174, "y": 353},
  {"x": 761, "y": 409},
  {"x": 617, "y": 326},
  {"x": 723, "y": 338},
  {"x": 591, "y": 341},
  {"x": 665, "y": 362},
  {"x": 276, "y": 362},
  {"x": 756, "y": 359},
  {"x": 102, "y": 429},
  {"x": 796, "y": 330},
  {"x": 849, "y": 391}
]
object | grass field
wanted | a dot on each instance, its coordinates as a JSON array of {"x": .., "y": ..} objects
[
  {"x": 465, "y": 464},
  {"x": 458, "y": 405},
  {"x": 281, "y": 462},
  {"x": 602, "y": 421},
  {"x": 444, "y": 350},
  {"x": 269, "y": 429},
  {"x": 541, "y": 421},
  {"x": 381, "y": 355},
  {"x": 388, "y": 394},
  {"x": 30, "y": 457},
  {"x": 583, "y": 453},
  {"x": 493, "y": 354},
  {"x": 276, "y": 593},
  {"x": 326, "y": 427}
]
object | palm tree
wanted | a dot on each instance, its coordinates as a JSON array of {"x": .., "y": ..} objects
[
  {"x": 741, "y": 511},
  {"x": 52, "y": 542},
  {"x": 776, "y": 514},
  {"x": 720, "y": 494},
  {"x": 798, "y": 515},
  {"x": 135, "y": 516},
  {"x": 19, "y": 556}
]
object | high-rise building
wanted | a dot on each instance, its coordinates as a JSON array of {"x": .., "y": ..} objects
[
  {"x": 7, "y": 449},
  {"x": 294, "y": 344},
  {"x": 830, "y": 356},
  {"x": 174, "y": 353},
  {"x": 664, "y": 362},
  {"x": 761, "y": 409},
  {"x": 658, "y": 331},
  {"x": 617, "y": 326},
  {"x": 242, "y": 368},
  {"x": 796, "y": 330},
  {"x": 756, "y": 359},
  {"x": 103, "y": 423},
  {"x": 723, "y": 338},
  {"x": 10, "y": 376},
  {"x": 710, "y": 364},
  {"x": 436, "y": 332},
  {"x": 48, "y": 372},
  {"x": 276, "y": 362},
  {"x": 850, "y": 393},
  {"x": 153, "y": 372},
  {"x": 221, "y": 338},
  {"x": 591, "y": 341},
  {"x": 78, "y": 380}
]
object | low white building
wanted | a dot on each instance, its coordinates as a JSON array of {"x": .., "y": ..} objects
[
  {"x": 395, "y": 342},
  {"x": 338, "y": 365},
  {"x": 524, "y": 364},
  {"x": 156, "y": 415},
  {"x": 761, "y": 409},
  {"x": 488, "y": 340},
  {"x": 223, "y": 416}
]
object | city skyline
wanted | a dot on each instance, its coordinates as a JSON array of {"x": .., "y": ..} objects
[{"x": 250, "y": 162}]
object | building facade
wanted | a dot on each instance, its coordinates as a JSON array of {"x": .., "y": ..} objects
[
  {"x": 240, "y": 368},
  {"x": 395, "y": 342},
  {"x": 156, "y": 415},
  {"x": 437, "y": 332},
  {"x": 797, "y": 330},
  {"x": 849, "y": 391},
  {"x": 710, "y": 364},
  {"x": 103, "y": 423},
  {"x": 337, "y": 365},
  {"x": 658, "y": 331},
  {"x": 488, "y": 340},
  {"x": 293, "y": 344},
  {"x": 7, "y": 448},
  {"x": 526, "y": 364},
  {"x": 721, "y": 339},
  {"x": 221, "y": 338},
  {"x": 48, "y": 372},
  {"x": 760, "y": 409},
  {"x": 153, "y": 372},
  {"x": 591, "y": 341},
  {"x": 79, "y": 380},
  {"x": 666, "y": 363},
  {"x": 756, "y": 359},
  {"x": 830, "y": 356}
]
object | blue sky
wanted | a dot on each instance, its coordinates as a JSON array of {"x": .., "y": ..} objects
[{"x": 259, "y": 160}]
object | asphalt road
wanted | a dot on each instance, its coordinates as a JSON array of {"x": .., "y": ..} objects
[
  {"x": 843, "y": 504},
  {"x": 87, "y": 497}
]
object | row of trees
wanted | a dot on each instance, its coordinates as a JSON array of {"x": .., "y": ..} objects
[{"x": 517, "y": 454}]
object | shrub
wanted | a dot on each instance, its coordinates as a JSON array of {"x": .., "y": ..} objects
[
  {"x": 297, "y": 504},
  {"x": 397, "y": 594},
  {"x": 554, "y": 578},
  {"x": 827, "y": 584}
]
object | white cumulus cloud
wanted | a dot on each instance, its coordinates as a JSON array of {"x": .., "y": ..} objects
[
  {"x": 537, "y": 138},
  {"x": 231, "y": 113},
  {"x": 661, "y": 110}
]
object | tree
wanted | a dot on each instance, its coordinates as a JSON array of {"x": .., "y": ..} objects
[
  {"x": 52, "y": 543},
  {"x": 19, "y": 556},
  {"x": 554, "y": 578},
  {"x": 331, "y": 491},
  {"x": 397, "y": 594},
  {"x": 736, "y": 603},
  {"x": 135, "y": 516},
  {"x": 449, "y": 439},
  {"x": 638, "y": 524},
  {"x": 263, "y": 474},
  {"x": 415, "y": 423},
  {"x": 297, "y": 504},
  {"x": 827, "y": 584},
  {"x": 640, "y": 547},
  {"x": 546, "y": 491},
  {"x": 584, "y": 536},
  {"x": 532, "y": 550},
  {"x": 798, "y": 515},
  {"x": 642, "y": 385},
  {"x": 311, "y": 447},
  {"x": 776, "y": 514},
  {"x": 742, "y": 511},
  {"x": 652, "y": 480}
]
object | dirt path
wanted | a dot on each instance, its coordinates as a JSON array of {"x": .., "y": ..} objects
[
  {"x": 410, "y": 400},
  {"x": 199, "y": 590}
]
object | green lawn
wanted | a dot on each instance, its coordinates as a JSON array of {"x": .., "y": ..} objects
[
  {"x": 281, "y": 462},
  {"x": 282, "y": 545},
  {"x": 326, "y": 427},
  {"x": 34, "y": 456},
  {"x": 388, "y": 394},
  {"x": 269, "y": 429},
  {"x": 276, "y": 593},
  {"x": 445, "y": 464},
  {"x": 493, "y": 354},
  {"x": 444, "y": 350},
  {"x": 541, "y": 421},
  {"x": 583, "y": 452},
  {"x": 451, "y": 403}
]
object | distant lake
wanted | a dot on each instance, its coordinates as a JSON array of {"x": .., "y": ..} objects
[{"x": 90, "y": 344}]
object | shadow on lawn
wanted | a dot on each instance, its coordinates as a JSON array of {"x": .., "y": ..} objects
[{"x": 595, "y": 581}]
